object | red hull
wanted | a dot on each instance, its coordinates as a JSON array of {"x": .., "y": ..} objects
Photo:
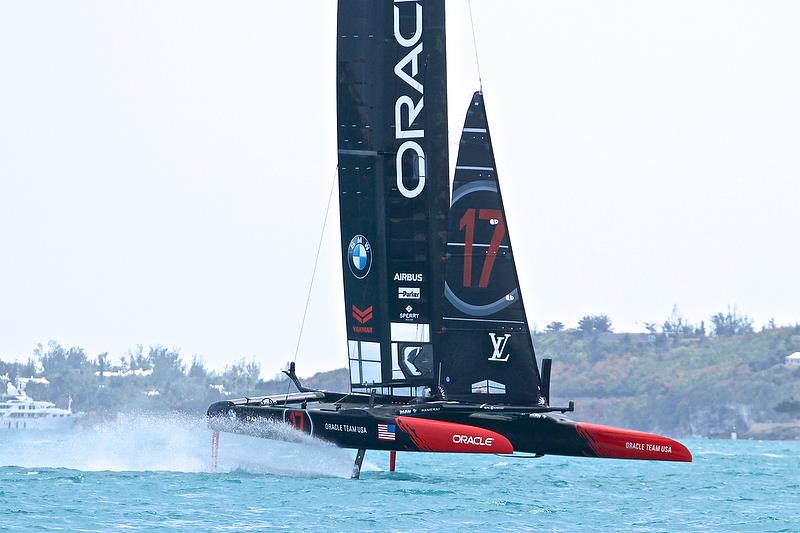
[
  {"x": 439, "y": 436},
  {"x": 618, "y": 443}
]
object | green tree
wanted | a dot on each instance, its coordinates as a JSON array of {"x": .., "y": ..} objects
[
  {"x": 197, "y": 369},
  {"x": 54, "y": 360},
  {"x": 554, "y": 327},
  {"x": 166, "y": 364},
  {"x": 137, "y": 360},
  {"x": 102, "y": 364},
  {"x": 790, "y": 407},
  {"x": 701, "y": 329},
  {"x": 594, "y": 324},
  {"x": 76, "y": 358},
  {"x": 241, "y": 376},
  {"x": 676, "y": 325},
  {"x": 731, "y": 323}
]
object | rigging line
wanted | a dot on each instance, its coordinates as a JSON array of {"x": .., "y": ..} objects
[
  {"x": 343, "y": 398},
  {"x": 316, "y": 263},
  {"x": 475, "y": 45},
  {"x": 314, "y": 271}
]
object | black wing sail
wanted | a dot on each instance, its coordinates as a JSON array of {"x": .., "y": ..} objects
[
  {"x": 487, "y": 351},
  {"x": 393, "y": 187}
]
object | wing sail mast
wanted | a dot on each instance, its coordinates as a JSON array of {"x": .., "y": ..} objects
[{"x": 393, "y": 188}]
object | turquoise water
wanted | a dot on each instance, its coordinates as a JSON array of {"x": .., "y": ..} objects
[{"x": 154, "y": 473}]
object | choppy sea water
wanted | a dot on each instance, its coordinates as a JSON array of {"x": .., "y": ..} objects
[{"x": 154, "y": 473}]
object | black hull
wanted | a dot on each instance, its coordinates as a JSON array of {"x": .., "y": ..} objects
[{"x": 440, "y": 426}]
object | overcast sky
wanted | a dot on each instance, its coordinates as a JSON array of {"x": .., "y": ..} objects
[{"x": 165, "y": 166}]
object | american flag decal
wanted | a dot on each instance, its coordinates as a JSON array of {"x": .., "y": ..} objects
[{"x": 386, "y": 431}]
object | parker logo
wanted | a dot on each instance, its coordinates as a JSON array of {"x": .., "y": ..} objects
[
  {"x": 362, "y": 316},
  {"x": 408, "y": 293},
  {"x": 499, "y": 344}
]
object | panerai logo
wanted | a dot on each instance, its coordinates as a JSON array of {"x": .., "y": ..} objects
[
  {"x": 499, "y": 345},
  {"x": 406, "y": 110}
]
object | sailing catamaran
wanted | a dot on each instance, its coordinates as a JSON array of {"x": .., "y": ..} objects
[{"x": 440, "y": 353}]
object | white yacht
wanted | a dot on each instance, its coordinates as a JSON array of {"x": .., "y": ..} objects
[{"x": 19, "y": 411}]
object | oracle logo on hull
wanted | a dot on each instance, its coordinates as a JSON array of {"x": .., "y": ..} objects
[
  {"x": 469, "y": 439},
  {"x": 406, "y": 110},
  {"x": 441, "y": 436}
]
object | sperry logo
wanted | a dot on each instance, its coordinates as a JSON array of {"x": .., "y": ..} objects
[
  {"x": 362, "y": 316},
  {"x": 499, "y": 344},
  {"x": 409, "y": 315}
]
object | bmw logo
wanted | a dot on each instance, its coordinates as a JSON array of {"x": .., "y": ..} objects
[{"x": 359, "y": 256}]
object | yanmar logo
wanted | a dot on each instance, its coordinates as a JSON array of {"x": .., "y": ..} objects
[
  {"x": 475, "y": 441},
  {"x": 362, "y": 316},
  {"x": 406, "y": 110}
]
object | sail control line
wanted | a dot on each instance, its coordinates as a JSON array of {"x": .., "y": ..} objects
[
  {"x": 439, "y": 348},
  {"x": 475, "y": 46},
  {"x": 314, "y": 271}
]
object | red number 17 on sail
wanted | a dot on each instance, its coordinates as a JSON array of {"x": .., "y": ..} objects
[{"x": 467, "y": 223}]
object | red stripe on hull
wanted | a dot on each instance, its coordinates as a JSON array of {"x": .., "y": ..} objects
[
  {"x": 438, "y": 436},
  {"x": 617, "y": 443}
]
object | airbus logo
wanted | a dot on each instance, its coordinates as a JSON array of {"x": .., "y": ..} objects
[
  {"x": 406, "y": 276},
  {"x": 499, "y": 344},
  {"x": 475, "y": 441}
]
